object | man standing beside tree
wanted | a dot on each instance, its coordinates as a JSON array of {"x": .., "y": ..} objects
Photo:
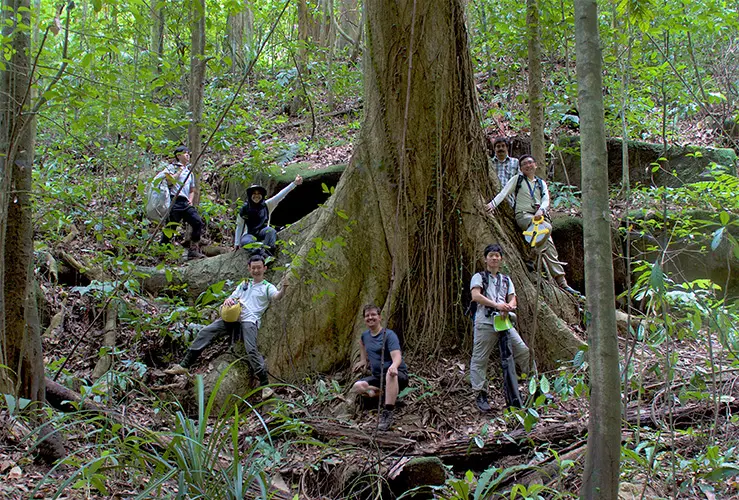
[
  {"x": 505, "y": 166},
  {"x": 495, "y": 295}
]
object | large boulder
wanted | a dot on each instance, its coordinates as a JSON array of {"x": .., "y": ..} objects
[
  {"x": 568, "y": 237},
  {"x": 684, "y": 163}
]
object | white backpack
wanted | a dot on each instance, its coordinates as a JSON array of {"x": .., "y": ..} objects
[{"x": 157, "y": 199}]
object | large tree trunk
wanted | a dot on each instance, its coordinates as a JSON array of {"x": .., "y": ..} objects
[
  {"x": 405, "y": 225},
  {"x": 600, "y": 478},
  {"x": 240, "y": 26}
]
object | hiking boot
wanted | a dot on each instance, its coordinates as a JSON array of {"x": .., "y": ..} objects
[
  {"x": 194, "y": 253},
  {"x": 386, "y": 420},
  {"x": 176, "y": 369},
  {"x": 482, "y": 401}
]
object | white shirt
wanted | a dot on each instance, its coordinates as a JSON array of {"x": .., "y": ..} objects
[{"x": 254, "y": 299}]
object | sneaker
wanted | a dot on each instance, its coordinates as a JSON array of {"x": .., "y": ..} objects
[
  {"x": 176, "y": 369},
  {"x": 267, "y": 393},
  {"x": 482, "y": 401},
  {"x": 386, "y": 420}
]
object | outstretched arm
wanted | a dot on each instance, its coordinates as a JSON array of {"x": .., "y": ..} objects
[
  {"x": 507, "y": 189},
  {"x": 283, "y": 286},
  {"x": 276, "y": 199}
]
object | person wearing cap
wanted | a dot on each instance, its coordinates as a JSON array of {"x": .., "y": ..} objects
[
  {"x": 252, "y": 223},
  {"x": 181, "y": 183},
  {"x": 497, "y": 300},
  {"x": 253, "y": 296},
  {"x": 531, "y": 200}
]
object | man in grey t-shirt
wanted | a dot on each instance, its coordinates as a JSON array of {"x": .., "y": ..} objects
[
  {"x": 498, "y": 299},
  {"x": 380, "y": 348}
]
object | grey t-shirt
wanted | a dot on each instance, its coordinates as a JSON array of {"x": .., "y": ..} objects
[
  {"x": 373, "y": 346},
  {"x": 496, "y": 292}
]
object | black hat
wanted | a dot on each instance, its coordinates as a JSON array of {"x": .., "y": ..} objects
[{"x": 256, "y": 187}]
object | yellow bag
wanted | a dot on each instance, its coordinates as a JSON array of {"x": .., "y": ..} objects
[{"x": 231, "y": 314}]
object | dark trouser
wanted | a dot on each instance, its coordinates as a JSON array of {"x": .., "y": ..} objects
[
  {"x": 182, "y": 211},
  {"x": 268, "y": 236},
  {"x": 219, "y": 328}
]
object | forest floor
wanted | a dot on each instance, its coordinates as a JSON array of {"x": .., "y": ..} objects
[
  {"x": 437, "y": 415},
  {"x": 333, "y": 445}
]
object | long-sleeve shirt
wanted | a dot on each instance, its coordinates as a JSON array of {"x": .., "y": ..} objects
[
  {"x": 271, "y": 205},
  {"x": 529, "y": 195}
]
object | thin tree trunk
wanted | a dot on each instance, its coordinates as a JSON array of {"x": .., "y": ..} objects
[
  {"x": 235, "y": 25},
  {"x": 601, "y": 475},
  {"x": 536, "y": 98},
  {"x": 157, "y": 33},
  {"x": 21, "y": 349},
  {"x": 197, "y": 82}
]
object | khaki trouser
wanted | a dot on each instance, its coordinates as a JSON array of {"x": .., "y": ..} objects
[
  {"x": 486, "y": 339},
  {"x": 548, "y": 251}
]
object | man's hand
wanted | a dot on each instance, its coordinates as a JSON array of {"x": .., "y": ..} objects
[
  {"x": 392, "y": 371},
  {"x": 490, "y": 208},
  {"x": 538, "y": 213},
  {"x": 229, "y": 302},
  {"x": 236, "y": 247},
  {"x": 359, "y": 366},
  {"x": 298, "y": 180}
]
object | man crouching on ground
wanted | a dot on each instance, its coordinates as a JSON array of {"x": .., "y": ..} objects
[{"x": 384, "y": 363}]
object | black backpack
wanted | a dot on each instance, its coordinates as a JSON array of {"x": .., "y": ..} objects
[{"x": 538, "y": 184}]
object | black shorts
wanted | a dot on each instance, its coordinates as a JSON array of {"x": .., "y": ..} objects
[{"x": 375, "y": 381}]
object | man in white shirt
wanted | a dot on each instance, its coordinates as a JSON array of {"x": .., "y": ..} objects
[
  {"x": 181, "y": 183},
  {"x": 254, "y": 296},
  {"x": 495, "y": 295}
]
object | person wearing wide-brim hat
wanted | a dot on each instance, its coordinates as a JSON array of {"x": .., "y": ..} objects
[{"x": 252, "y": 222}]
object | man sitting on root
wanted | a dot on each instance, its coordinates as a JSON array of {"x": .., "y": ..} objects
[
  {"x": 252, "y": 223},
  {"x": 254, "y": 297},
  {"x": 381, "y": 347},
  {"x": 530, "y": 200}
]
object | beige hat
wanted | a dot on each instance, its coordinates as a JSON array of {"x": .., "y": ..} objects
[{"x": 230, "y": 314}]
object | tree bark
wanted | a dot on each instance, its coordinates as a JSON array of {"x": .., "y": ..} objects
[
  {"x": 197, "y": 79},
  {"x": 536, "y": 99},
  {"x": 601, "y": 475},
  {"x": 21, "y": 344},
  {"x": 406, "y": 222},
  {"x": 157, "y": 33},
  {"x": 240, "y": 26}
]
